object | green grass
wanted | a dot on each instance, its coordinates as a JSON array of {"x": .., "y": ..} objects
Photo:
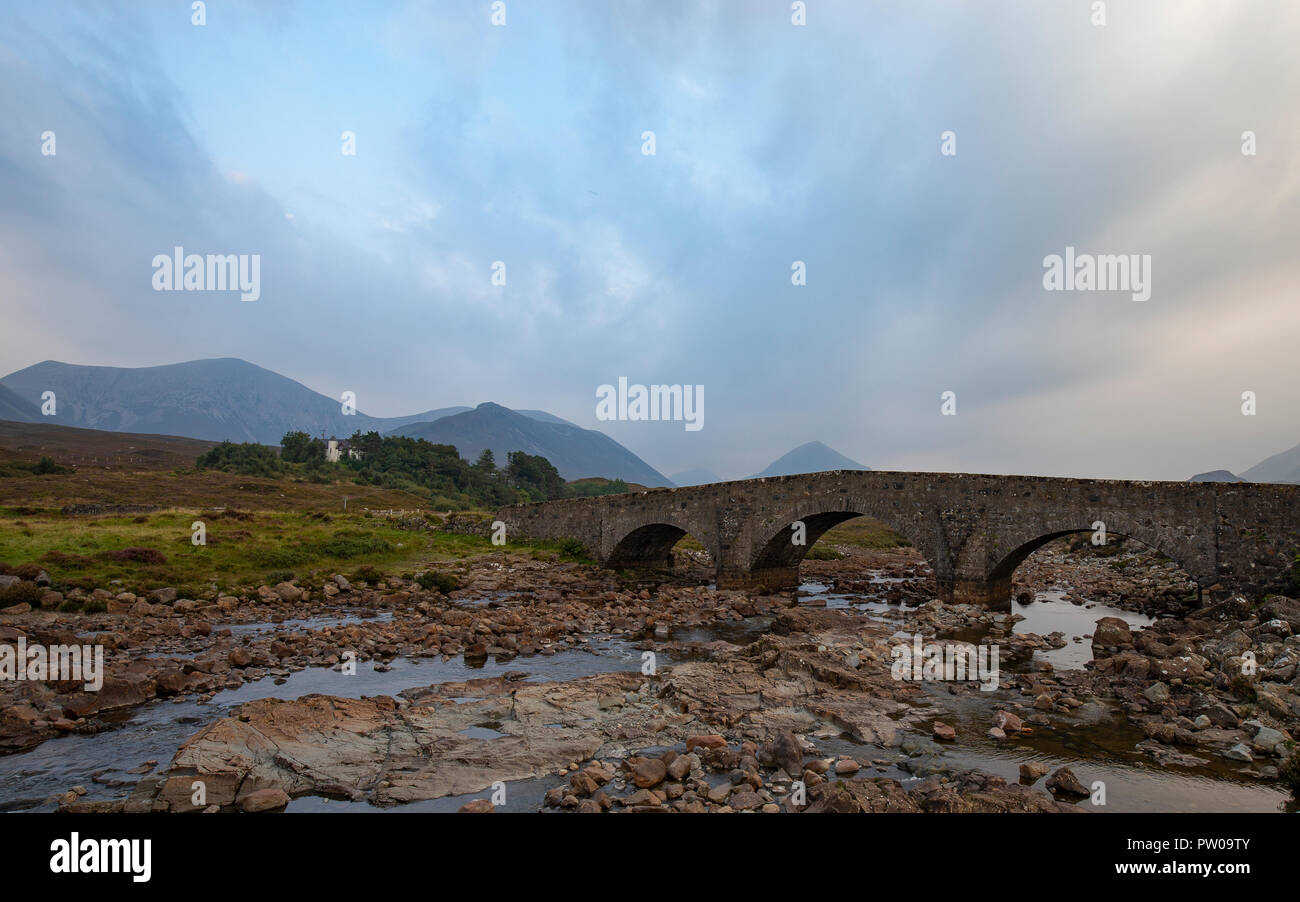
[
  {"x": 243, "y": 548},
  {"x": 862, "y": 532}
]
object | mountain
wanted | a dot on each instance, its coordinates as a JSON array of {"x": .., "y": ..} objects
[
  {"x": 813, "y": 457},
  {"x": 391, "y": 423},
  {"x": 540, "y": 415},
  {"x": 221, "y": 398},
  {"x": 695, "y": 476},
  {"x": 575, "y": 452},
  {"x": 17, "y": 408},
  {"x": 215, "y": 399},
  {"x": 1284, "y": 467},
  {"x": 1216, "y": 476}
]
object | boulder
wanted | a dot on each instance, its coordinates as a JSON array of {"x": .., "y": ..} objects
[
  {"x": 1111, "y": 632},
  {"x": 1065, "y": 783},
  {"x": 273, "y": 799}
]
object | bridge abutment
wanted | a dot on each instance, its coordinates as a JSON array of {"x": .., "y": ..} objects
[
  {"x": 768, "y": 579},
  {"x": 994, "y": 594}
]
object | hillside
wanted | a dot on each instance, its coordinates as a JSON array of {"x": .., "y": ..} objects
[
  {"x": 214, "y": 399},
  {"x": 15, "y": 408},
  {"x": 1283, "y": 467},
  {"x": 575, "y": 452}
]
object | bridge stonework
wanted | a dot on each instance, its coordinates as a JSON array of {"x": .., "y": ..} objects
[{"x": 974, "y": 530}]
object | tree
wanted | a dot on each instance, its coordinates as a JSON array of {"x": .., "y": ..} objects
[
  {"x": 248, "y": 458},
  {"x": 299, "y": 447},
  {"x": 535, "y": 475}
]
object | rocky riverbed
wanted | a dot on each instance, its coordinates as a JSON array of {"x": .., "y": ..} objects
[{"x": 575, "y": 690}]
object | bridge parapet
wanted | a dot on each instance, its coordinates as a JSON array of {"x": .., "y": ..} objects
[{"x": 974, "y": 530}]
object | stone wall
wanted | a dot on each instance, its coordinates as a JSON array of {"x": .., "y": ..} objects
[{"x": 973, "y": 529}]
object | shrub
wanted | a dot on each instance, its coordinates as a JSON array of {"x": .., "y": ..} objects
[
  {"x": 46, "y": 465},
  {"x": 350, "y": 543},
  {"x": 572, "y": 548},
  {"x": 246, "y": 458},
  {"x": 20, "y": 592},
  {"x": 443, "y": 582},
  {"x": 26, "y": 571},
  {"x": 135, "y": 555},
  {"x": 67, "y": 560}
]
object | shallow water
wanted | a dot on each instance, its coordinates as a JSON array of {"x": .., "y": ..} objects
[
  {"x": 1049, "y": 613},
  {"x": 32, "y": 780},
  {"x": 1097, "y": 747},
  {"x": 1101, "y": 747}
]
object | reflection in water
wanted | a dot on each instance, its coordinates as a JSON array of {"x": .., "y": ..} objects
[
  {"x": 1096, "y": 742},
  {"x": 100, "y": 762}
]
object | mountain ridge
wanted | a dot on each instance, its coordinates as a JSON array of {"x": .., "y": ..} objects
[
  {"x": 575, "y": 452},
  {"x": 228, "y": 398}
]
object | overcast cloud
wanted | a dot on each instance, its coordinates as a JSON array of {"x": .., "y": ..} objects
[{"x": 775, "y": 143}]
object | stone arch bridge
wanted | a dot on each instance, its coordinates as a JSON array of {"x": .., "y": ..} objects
[{"x": 973, "y": 530}]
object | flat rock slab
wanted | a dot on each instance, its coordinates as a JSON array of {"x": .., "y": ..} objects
[{"x": 389, "y": 752}]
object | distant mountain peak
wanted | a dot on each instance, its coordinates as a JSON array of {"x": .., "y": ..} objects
[
  {"x": 1216, "y": 476},
  {"x": 1282, "y": 467},
  {"x": 575, "y": 452},
  {"x": 810, "y": 457}
]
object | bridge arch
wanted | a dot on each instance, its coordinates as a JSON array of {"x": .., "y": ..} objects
[
  {"x": 649, "y": 543},
  {"x": 996, "y": 563},
  {"x": 774, "y": 559}
]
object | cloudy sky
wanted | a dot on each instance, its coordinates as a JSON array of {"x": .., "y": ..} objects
[{"x": 774, "y": 143}]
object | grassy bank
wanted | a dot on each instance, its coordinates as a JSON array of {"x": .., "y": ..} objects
[{"x": 243, "y": 548}]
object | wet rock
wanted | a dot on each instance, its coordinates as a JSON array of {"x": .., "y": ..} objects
[
  {"x": 682, "y": 765},
  {"x": 782, "y": 751},
  {"x": 1269, "y": 741},
  {"x": 1239, "y": 752},
  {"x": 745, "y": 801},
  {"x": 649, "y": 772},
  {"x": 709, "y": 741},
  {"x": 1110, "y": 634},
  {"x": 1032, "y": 771},
  {"x": 1157, "y": 693},
  {"x": 1008, "y": 722},
  {"x": 944, "y": 732},
  {"x": 1064, "y": 782},
  {"x": 264, "y": 800}
]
